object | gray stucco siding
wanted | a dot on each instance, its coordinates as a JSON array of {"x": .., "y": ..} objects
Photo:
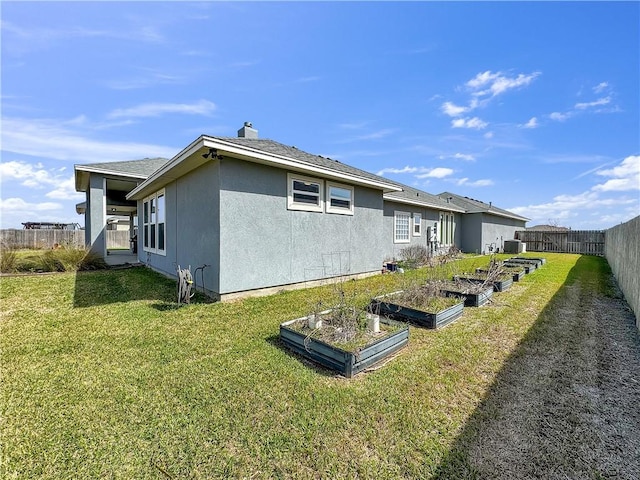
[
  {"x": 392, "y": 249},
  {"x": 263, "y": 244},
  {"x": 191, "y": 226},
  {"x": 495, "y": 230},
  {"x": 471, "y": 231}
]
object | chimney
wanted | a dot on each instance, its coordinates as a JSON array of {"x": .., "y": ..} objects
[{"x": 247, "y": 131}]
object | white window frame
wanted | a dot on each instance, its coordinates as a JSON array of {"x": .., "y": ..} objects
[
  {"x": 339, "y": 210},
  {"x": 152, "y": 222},
  {"x": 308, "y": 207},
  {"x": 417, "y": 222},
  {"x": 396, "y": 216}
]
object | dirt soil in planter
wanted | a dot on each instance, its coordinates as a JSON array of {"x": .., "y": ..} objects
[
  {"x": 349, "y": 341},
  {"x": 567, "y": 403}
]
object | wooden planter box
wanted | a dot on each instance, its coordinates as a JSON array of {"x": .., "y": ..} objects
[
  {"x": 384, "y": 306},
  {"x": 471, "y": 299},
  {"x": 517, "y": 276},
  {"x": 498, "y": 286},
  {"x": 342, "y": 361}
]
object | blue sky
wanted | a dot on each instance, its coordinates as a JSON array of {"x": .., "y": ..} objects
[{"x": 532, "y": 106}]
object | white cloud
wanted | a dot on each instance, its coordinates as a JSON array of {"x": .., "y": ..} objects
[
  {"x": 48, "y": 138},
  {"x": 493, "y": 84},
  {"x": 453, "y": 110},
  {"x": 532, "y": 123},
  {"x": 438, "y": 172},
  {"x": 488, "y": 135},
  {"x": 35, "y": 176},
  {"x": 66, "y": 190},
  {"x": 147, "y": 79},
  {"x": 478, "y": 183},
  {"x": 595, "y": 103},
  {"x": 474, "y": 123},
  {"x": 605, "y": 209},
  {"x": 600, "y": 87},
  {"x": 560, "y": 117},
  {"x": 459, "y": 156},
  {"x": 15, "y": 211},
  {"x": 376, "y": 135},
  {"x": 406, "y": 169},
  {"x": 202, "y": 107},
  {"x": 626, "y": 176},
  {"x": 20, "y": 204}
]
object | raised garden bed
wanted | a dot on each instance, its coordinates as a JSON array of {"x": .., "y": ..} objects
[
  {"x": 541, "y": 260},
  {"x": 536, "y": 261},
  {"x": 517, "y": 271},
  {"x": 471, "y": 298},
  {"x": 386, "y": 305},
  {"x": 347, "y": 362},
  {"x": 529, "y": 267},
  {"x": 498, "y": 285}
]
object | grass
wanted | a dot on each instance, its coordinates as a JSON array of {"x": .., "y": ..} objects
[{"x": 103, "y": 376}]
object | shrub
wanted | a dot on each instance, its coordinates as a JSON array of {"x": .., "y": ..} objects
[
  {"x": 71, "y": 260},
  {"x": 414, "y": 256},
  {"x": 8, "y": 259}
]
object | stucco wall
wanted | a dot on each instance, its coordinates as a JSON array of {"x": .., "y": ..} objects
[
  {"x": 192, "y": 227},
  {"x": 471, "y": 226},
  {"x": 495, "y": 230},
  {"x": 429, "y": 217},
  {"x": 622, "y": 250},
  {"x": 263, "y": 244}
]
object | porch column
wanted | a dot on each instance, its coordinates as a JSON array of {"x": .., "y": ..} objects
[{"x": 96, "y": 216}]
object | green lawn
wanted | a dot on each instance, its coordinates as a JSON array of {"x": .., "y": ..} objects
[{"x": 103, "y": 376}]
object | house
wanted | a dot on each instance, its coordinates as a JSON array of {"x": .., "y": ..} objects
[
  {"x": 252, "y": 214},
  {"x": 485, "y": 226},
  {"x": 413, "y": 217},
  {"x": 547, "y": 228}
]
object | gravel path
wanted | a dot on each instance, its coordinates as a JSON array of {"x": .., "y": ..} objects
[{"x": 567, "y": 403}]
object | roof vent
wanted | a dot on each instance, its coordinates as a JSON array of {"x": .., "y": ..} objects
[{"x": 247, "y": 131}]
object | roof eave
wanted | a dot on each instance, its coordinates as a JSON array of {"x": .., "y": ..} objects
[
  {"x": 423, "y": 204},
  {"x": 164, "y": 176},
  {"x": 82, "y": 173}
]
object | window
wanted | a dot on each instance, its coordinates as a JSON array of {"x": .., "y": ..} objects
[
  {"x": 339, "y": 199},
  {"x": 153, "y": 216},
  {"x": 401, "y": 227},
  {"x": 447, "y": 228},
  {"x": 304, "y": 193},
  {"x": 417, "y": 224}
]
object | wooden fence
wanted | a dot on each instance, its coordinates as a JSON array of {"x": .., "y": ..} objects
[
  {"x": 40, "y": 239},
  {"x": 585, "y": 242}
]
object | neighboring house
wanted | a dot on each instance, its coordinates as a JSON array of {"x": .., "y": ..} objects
[
  {"x": 119, "y": 223},
  {"x": 485, "y": 226},
  {"x": 50, "y": 226},
  {"x": 547, "y": 228},
  {"x": 255, "y": 214}
]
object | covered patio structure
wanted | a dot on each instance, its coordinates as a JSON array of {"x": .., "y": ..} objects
[{"x": 106, "y": 186}]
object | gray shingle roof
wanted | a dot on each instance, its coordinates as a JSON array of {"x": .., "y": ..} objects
[
  {"x": 413, "y": 195},
  {"x": 269, "y": 146},
  {"x": 472, "y": 205},
  {"x": 140, "y": 168}
]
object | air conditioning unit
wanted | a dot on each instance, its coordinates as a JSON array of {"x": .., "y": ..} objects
[{"x": 514, "y": 246}]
